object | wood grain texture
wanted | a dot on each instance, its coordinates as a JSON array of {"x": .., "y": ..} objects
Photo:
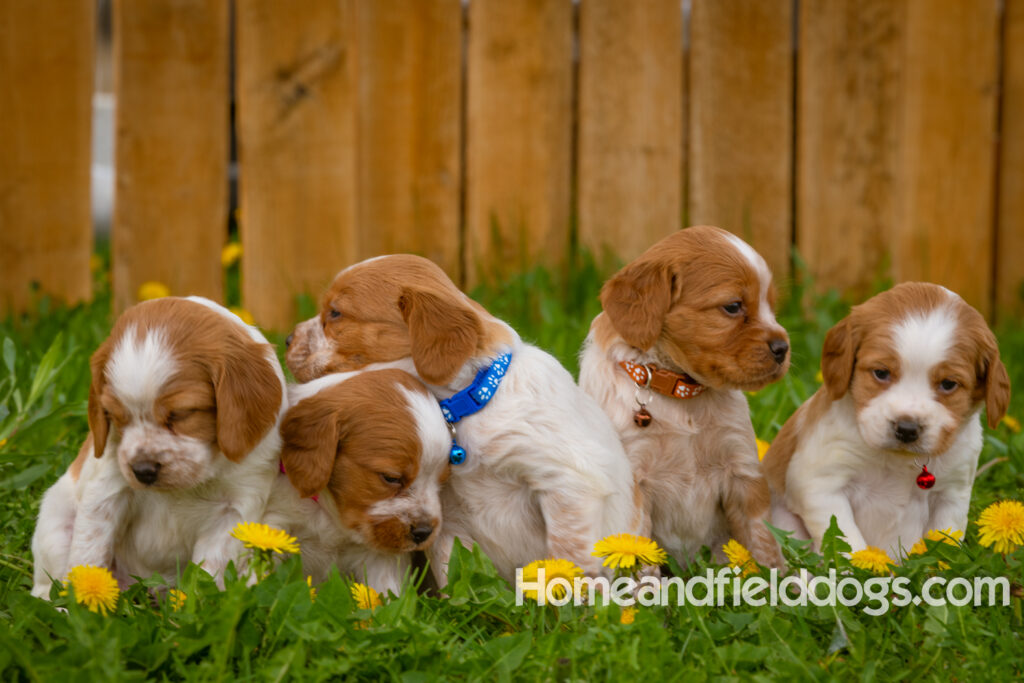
[
  {"x": 46, "y": 56},
  {"x": 171, "y": 146},
  {"x": 630, "y": 124},
  {"x": 849, "y": 75},
  {"x": 410, "y": 127},
  {"x": 945, "y": 234},
  {"x": 741, "y": 122},
  {"x": 1009, "y": 292},
  {"x": 519, "y": 136},
  {"x": 296, "y": 94}
]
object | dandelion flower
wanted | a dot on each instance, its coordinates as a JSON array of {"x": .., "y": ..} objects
[
  {"x": 623, "y": 551},
  {"x": 263, "y": 537},
  {"x": 740, "y": 557},
  {"x": 553, "y": 569},
  {"x": 242, "y": 313},
  {"x": 1012, "y": 423},
  {"x": 950, "y": 536},
  {"x": 153, "y": 290},
  {"x": 176, "y": 598},
  {"x": 230, "y": 254},
  {"x": 874, "y": 560},
  {"x": 94, "y": 587},
  {"x": 365, "y": 597},
  {"x": 312, "y": 591},
  {"x": 819, "y": 378},
  {"x": 762, "y": 448},
  {"x": 628, "y": 615},
  {"x": 1002, "y": 526}
]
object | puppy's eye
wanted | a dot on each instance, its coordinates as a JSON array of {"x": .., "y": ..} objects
[
  {"x": 391, "y": 480},
  {"x": 881, "y": 374},
  {"x": 733, "y": 308},
  {"x": 334, "y": 314},
  {"x": 948, "y": 386}
]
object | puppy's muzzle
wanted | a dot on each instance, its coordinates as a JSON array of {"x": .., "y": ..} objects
[
  {"x": 146, "y": 472},
  {"x": 907, "y": 430},
  {"x": 419, "y": 533}
]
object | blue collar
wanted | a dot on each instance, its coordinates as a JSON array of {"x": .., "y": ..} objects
[{"x": 472, "y": 399}]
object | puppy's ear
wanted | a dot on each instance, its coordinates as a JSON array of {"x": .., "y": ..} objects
[
  {"x": 444, "y": 331},
  {"x": 248, "y": 394},
  {"x": 838, "y": 357},
  {"x": 636, "y": 300},
  {"x": 997, "y": 383},
  {"x": 309, "y": 445},
  {"x": 99, "y": 423}
]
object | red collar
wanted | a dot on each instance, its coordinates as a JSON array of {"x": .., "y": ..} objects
[{"x": 666, "y": 382}]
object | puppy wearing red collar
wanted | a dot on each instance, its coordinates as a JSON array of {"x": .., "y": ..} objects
[
  {"x": 537, "y": 470},
  {"x": 889, "y": 444},
  {"x": 687, "y": 327}
]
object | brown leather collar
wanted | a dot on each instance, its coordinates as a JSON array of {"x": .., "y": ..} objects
[{"x": 666, "y": 382}]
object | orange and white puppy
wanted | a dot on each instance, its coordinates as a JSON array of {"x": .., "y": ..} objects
[
  {"x": 545, "y": 474},
  {"x": 686, "y": 328},
  {"x": 365, "y": 456},
  {"x": 905, "y": 376},
  {"x": 183, "y": 408}
]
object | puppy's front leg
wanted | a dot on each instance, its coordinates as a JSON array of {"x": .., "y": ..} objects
[
  {"x": 385, "y": 573},
  {"x": 746, "y": 503},
  {"x": 215, "y": 547},
  {"x": 102, "y": 508},
  {"x": 817, "y": 510},
  {"x": 571, "y": 522}
]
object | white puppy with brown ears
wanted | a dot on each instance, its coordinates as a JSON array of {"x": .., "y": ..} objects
[
  {"x": 544, "y": 472},
  {"x": 889, "y": 445},
  {"x": 686, "y": 328},
  {"x": 183, "y": 445}
]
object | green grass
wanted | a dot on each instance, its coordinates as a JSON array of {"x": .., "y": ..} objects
[{"x": 274, "y": 631}]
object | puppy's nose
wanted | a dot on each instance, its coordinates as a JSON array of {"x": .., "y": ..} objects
[
  {"x": 907, "y": 430},
  {"x": 146, "y": 472},
  {"x": 421, "y": 532},
  {"x": 288, "y": 340},
  {"x": 779, "y": 349}
]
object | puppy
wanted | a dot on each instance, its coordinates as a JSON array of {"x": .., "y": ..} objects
[
  {"x": 182, "y": 446},
  {"x": 544, "y": 472},
  {"x": 365, "y": 457},
  {"x": 686, "y": 328},
  {"x": 905, "y": 376}
]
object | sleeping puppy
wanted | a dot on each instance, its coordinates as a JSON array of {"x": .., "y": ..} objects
[
  {"x": 182, "y": 445},
  {"x": 544, "y": 474},
  {"x": 686, "y": 328},
  {"x": 889, "y": 444},
  {"x": 365, "y": 456}
]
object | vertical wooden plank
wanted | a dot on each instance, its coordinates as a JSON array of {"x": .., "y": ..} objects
[
  {"x": 295, "y": 75},
  {"x": 1010, "y": 238},
  {"x": 949, "y": 135},
  {"x": 741, "y": 122},
  {"x": 519, "y": 135},
  {"x": 849, "y": 84},
  {"x": 630, "y": 124},
  {"x": 171, "y": 146},
  {"x": 46, "y": 57},
  {"x": 410, "y": 83}
]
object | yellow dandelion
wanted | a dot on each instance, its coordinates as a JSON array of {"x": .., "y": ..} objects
[
  {"x": 628, "y": 615},
  {"x": 762, "y": 448},
  {"x": 242, "y": 313},
  {"x": 1002, "y": 526},
  {"x": 230, "y": 254},
  {"x": 950, "y": 536},
  {"x": 1012, "y": 423},
  {"x": 874, "y": 560},
  {"x": 818, "y": 377},
  {"x": 153, "y": 290},
  {"x": 554, "y": 568},
  {"x": 365, "y": 597},
  {"x": 622, "y": 551},
  {"x": 312, "y": 591},
  {"x": 176, "y": 598},
  {"x": 94, "y": 587},
  {"x": 95, "y": 263},
  {"x": 3, "y": 442},
  {"x": 264, "y": 537},
  {"x": 740, "y": 557}
]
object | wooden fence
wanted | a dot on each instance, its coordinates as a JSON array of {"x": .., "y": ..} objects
[{"x": 880, "y": 137}]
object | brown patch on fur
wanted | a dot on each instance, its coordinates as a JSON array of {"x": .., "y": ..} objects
[
  {"x": 776, "y": 461},
  {"x": 671, "y": 298},
  {"x": 344, "y": 438},
  {"x": 223, "y": 375},
  {"x": 369, "y": 312},
  {"x": 79, "y": 462}
]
